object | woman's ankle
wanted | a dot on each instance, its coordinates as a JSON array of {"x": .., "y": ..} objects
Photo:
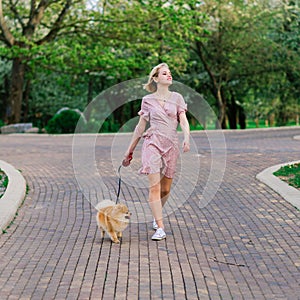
[{"x": 160, "y": 224}]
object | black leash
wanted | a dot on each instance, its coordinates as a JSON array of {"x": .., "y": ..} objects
[
  {"x": 125, "y": 163},
  {"x": 119, "y": 183}
]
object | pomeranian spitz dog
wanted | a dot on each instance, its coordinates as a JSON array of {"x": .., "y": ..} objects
[{"x": 112, "y": 218}]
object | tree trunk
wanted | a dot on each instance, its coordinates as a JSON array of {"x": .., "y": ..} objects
[
  {"x": 26, "y": 100},
  {"x": 282, "y": 117},
  {"x": 4, "y": 99},
  {"x": 221, "y": 122},
  {"x": 242, "y": 117},
  {"x": 232, "y": 112},
  {"x": 216, "y": 88},
  {"x": 88, "y": 110},
  {"x": 13, "y": 114}
]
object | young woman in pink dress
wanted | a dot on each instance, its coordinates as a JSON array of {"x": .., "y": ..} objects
[{"x": 164, "y": 110}]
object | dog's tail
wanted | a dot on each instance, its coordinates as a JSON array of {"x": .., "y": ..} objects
[{"x": 104, "y": 203}]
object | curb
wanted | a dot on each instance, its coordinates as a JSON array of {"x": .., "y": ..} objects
[
  {"x": 289, "y": 193},
  {"x": 13, "y": 196}
]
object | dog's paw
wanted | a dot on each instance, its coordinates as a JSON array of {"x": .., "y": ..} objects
[{"x": 116, "y": 241}]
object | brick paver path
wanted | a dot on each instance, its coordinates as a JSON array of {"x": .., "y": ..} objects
[{"x": 243, "y": 245}]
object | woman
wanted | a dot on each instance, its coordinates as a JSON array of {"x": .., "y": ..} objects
[{"x": 164, "y": 110}]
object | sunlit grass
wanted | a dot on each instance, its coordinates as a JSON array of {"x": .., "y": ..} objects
[{"x": 290, "y": 174}]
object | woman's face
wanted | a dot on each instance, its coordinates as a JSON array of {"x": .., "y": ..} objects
[{"x": 164, "y": 76}]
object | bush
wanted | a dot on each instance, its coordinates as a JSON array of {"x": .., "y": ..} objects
[{"x": 64, "y": 122}]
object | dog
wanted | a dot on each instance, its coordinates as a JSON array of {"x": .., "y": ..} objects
[{"x": 112, "y": 218}]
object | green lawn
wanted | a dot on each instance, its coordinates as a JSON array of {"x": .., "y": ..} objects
[
  {"x": 290, "y": 174},
  {"x": 250, "y": 124},
  {"x": 3, "y": 182}
]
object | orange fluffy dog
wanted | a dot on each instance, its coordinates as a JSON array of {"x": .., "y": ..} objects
[{"x": 112, "y": 218}]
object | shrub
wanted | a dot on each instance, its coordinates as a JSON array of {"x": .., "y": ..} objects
[{"x": 64, "y": 122}]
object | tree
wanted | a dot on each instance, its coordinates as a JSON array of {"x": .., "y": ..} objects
[
  {"x": 25, "y": 27},
  {"x": 288, "y": 35},
  {"x": 5, "y": 68},
  {"x": 67, "y": 52},
  {"x": 108, "y": 41},
  {"x": 237, "y": 47}
]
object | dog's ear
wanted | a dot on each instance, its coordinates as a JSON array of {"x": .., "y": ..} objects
[{"x": 124, "y": 208}]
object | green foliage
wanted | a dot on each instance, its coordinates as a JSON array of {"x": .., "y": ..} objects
[
  {"x": 50, "y": 92},
  {"x": 250, "y": 52},
  {"x": 5, "y": 70},
  {"x": 5, "y": 182},
  {"x": 64, "y": 122}
]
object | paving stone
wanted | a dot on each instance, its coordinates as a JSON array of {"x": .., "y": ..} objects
[{"x": 244, "y": 244}]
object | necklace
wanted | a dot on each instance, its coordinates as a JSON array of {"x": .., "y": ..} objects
[{"x": 163, "y": 98}]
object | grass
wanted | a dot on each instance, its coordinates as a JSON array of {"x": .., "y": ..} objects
[
  {"x": 3, "y": 183},
  {"x": 290, "y": 174},
  {"x": 3, "y": 186},
  {"x": 262, "y": 124},
  {"x": 250, "y": 124}
]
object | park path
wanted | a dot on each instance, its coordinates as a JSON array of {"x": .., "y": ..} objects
[{"x": 244, "y": 244}]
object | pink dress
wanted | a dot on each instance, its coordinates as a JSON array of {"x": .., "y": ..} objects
[{"x": 161, "y": 148}]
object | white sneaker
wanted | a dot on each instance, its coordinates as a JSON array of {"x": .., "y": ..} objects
[
  {"x": 159, "y": 235},
  {"x": 154, "y": 225}
]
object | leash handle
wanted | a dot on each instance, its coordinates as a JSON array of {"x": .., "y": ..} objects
[
  {"x": 126, "y": 161},
  {"x": 119, "y": 183}
]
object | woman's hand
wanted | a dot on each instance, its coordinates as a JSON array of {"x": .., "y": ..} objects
[
  {"x": 127, "y": 159},
  {"x": 186, "y": 146}
]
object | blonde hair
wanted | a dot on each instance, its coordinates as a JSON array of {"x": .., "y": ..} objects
[{"x": 151, "y": 85}]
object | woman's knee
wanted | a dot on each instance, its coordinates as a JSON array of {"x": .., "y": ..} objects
[
  {"x": 164, "y": 192},
  {"x": 166, "y": 186},
  {"x": 155, "y": 189}
]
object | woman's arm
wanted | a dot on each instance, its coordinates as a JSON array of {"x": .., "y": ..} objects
[
  {"x": 185, "y": 126},
  {"x": 137, "y": 134}
]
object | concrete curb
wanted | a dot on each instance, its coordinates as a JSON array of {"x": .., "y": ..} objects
[
  {"x": 13, "y": 196},
  {"x": 289, "y": 193}
]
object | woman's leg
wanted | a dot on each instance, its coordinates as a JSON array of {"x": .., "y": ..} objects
[
  {"x": 155, "y": 198},
  {"x": 165, "y": 188}
]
